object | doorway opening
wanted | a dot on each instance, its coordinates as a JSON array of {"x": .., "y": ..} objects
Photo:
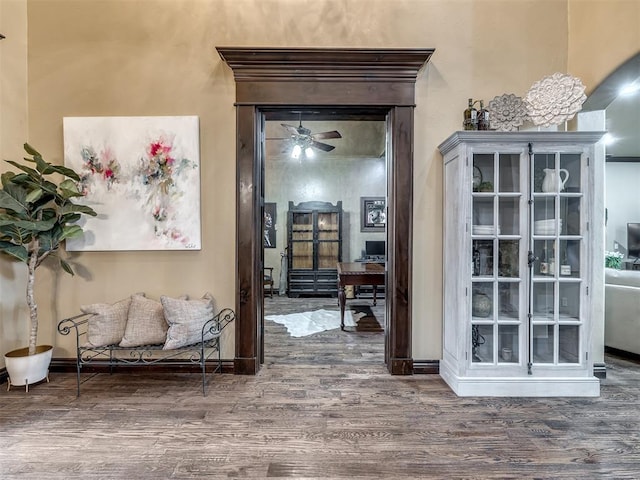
[
  {"x": 379, "y": 79},
  {"x": 313, "y": 209}
]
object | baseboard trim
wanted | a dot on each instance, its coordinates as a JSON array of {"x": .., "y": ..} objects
[
  {"x": 622, "y": 353},
  {"x": 430, "y": 367},
  {"x": 68, "y": 365},
  {"x": 420, "y": 367}
]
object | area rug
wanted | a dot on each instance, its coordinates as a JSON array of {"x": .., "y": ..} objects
[{"x": 308, "y": 323}]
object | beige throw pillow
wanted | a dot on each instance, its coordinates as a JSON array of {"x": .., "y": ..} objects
[
  {"x": 107, "y": 324},
  {"x": 145, "y": 324},
  {"x": 186, "y": 319}
]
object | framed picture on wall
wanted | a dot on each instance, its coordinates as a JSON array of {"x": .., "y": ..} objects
[
  {"x": 373, "y": 214},
  {"x": 142, "y": 176},
  {"x": 269, "y": 225}
]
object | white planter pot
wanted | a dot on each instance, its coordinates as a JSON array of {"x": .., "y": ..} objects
[{"x": 25, "y": 369}]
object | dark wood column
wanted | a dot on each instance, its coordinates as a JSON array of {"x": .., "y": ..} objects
[
  {"x": 399, "y": 234},
  {"x": 248, "y": 245}
]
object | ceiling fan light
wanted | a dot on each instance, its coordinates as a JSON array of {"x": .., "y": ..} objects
[
  {"x": 297, "y": 150},
  {"x": 309, "y": 152}
]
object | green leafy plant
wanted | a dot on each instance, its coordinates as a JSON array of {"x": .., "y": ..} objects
[
  {"x": 613, "y": 260},
  {"x": 36, "y": 215}
]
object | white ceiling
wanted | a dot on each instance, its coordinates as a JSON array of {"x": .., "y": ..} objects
[
  {"x": 623, "y": 123},
  {"x": 360, "y": 139},
  {"x": 622, "y": 112}
]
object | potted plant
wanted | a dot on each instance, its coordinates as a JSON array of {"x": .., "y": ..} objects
[{"x": 36, "y": 215}]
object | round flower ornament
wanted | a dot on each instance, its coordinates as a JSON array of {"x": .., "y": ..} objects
[
  {"x": 507, "y": 112},
  {"x": 554, "y": 99}
]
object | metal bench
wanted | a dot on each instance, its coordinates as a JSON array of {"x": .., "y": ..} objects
[{"x": 148, "y": 355}]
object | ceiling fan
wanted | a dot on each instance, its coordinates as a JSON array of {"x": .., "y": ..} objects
[{"x": 305, "y": 141}]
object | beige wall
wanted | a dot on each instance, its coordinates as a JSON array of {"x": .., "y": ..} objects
[
  {"x": 13, "y": 133},
  {"x": 157, "y": 57},
  {"x": 603, "y": 34}
]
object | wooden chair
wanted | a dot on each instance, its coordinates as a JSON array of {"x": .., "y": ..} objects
[{"x": 268, "y": 280}]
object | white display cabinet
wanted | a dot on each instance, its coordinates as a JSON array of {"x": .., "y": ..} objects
[{"x": 523, "y": 262}]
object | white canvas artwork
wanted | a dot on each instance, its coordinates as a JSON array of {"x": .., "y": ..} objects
[{"x": 142, "y": 176}]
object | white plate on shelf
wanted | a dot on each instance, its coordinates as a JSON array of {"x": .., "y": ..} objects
[
  {"x": 484, "y": 230},
  {"x": 547, "y": 223},
  {"x": 546, "y": 227}
]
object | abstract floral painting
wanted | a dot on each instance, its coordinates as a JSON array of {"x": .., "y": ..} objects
[{"x": 142, "y": 176}]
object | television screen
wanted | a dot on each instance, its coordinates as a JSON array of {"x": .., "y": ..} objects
[
  {"x": 633, "y": 240},
  {"x": 374, "y": 248}
]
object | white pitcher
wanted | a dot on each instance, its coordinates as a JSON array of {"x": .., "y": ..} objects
[{"x": 553, "y": 182}]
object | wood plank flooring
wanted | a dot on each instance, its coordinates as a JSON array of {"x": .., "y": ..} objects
[
  {"x": 301, "y": 418},
  {"x": 360, "y": 345}
]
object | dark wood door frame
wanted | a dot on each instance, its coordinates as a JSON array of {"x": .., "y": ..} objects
[{"x": 379, "y": 79}]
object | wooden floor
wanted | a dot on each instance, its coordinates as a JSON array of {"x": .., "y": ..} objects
[
  {"x": 341, "y": 419},
  {"x": 360, "y": 345}
]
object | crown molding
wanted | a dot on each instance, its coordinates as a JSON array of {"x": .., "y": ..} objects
[{"x": 252, "y": 64}]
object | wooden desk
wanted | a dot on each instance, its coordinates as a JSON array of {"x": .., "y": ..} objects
[{"x": 358, "y": 274}]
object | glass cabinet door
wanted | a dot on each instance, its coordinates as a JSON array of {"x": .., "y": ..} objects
[
  {"x": 328, "y": 240},
  {"x": 496, "y": 241},
  {"x": 302, "y": 240},
  {"x": 556, "y": 284}
]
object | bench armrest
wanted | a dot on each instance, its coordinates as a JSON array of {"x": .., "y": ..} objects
[
  {"x": 65, "y": 325},
  {"x": 214, "y": 326}
]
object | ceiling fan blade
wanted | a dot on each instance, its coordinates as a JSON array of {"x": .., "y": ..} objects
[
  {"x": 290, "y": 128},
  {"x": 322, "y": 146},
  {"x": 323, "y": 135}
]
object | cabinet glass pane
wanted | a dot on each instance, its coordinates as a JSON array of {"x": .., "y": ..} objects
[
  {"x": 482, "y": 343},
  {"x": 482, "y": 300},
  {"x": 569, "y": 294},
  {"x": 509, "y": 173},
  {"x": 545, "y": 222},
  {"x": 327, "y": 222},
  {"x": 483, "y": 172},
  {"x": 542, "y": 164},
  {"x": 302, "y": 255},
  {"x": 569, "y": 258},
  {"x": 570, "y": 215},
  {"x": 509, "y": 258},
  {"x": 327, "y": 255},
  {"x": 569, "y": 344},
  {"x": 508, "y": 344},
  {"x": 542, "y": 343},
  {"x": 328, "y": 235},
  {"x": 543, "y": 301},
  {"x": 544, "y": 252},
  {"x": 482, "y": 258},
  {"x": 302, "y": 226},
  {"x": 509, "y": 216},
  {"x": 570, "y": 172},
  {"x": 302, "y": 221},
  {"x": 483, "y": 216},
  {"x": 509, "y": 300}
]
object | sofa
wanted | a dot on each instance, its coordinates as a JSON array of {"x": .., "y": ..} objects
[{"x": 622, "y": 310}]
